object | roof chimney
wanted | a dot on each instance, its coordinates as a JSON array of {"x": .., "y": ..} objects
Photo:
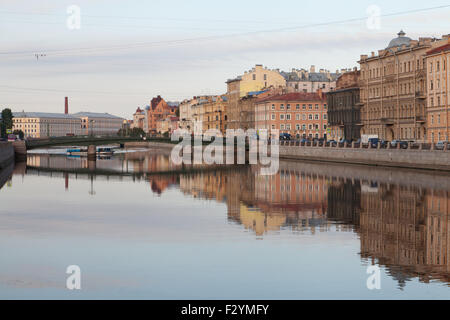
[{"x": 66, "y": 105}]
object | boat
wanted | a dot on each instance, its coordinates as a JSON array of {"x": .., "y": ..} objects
[
  {"x": 76, "y": 152},
  {"x": 101, "y": 151},
  {"x": 105, "y": 151}
]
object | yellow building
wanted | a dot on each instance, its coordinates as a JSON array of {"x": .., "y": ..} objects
[
  {"x": 240, "y": 112},
  {"x": 438, "y": 106},
  {"x": 44, "y": 124}
]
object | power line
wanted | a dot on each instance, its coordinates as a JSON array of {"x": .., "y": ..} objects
[{"x": 208, "y": 38}]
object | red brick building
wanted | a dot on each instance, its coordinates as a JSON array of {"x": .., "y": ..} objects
[{"x": 159, "y": 109}]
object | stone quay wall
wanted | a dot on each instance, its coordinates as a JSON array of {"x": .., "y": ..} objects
[{"x": 6, "y": 154}]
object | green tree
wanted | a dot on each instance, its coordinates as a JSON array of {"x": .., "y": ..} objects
[
  {"x": 6, "y": 122},
  {"x": 19, "y": 133}
]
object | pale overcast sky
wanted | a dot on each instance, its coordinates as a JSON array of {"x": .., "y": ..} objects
[{"x": 126, "y": 52}]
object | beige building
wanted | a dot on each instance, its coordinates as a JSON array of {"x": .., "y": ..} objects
[
  {"x": 301, "y": 80},
  {"x": 438, "y": 108},
  {"x": 43, "y": 124},
  {"x": 393, "y": 89},
  {"x": 93, "y": 123},
  {"x": 138, "y": 119},
  {"x": 190, "y": 112}
]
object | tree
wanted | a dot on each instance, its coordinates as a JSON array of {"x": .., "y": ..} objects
[
  {"x": 19, "y": 133},
  {"x": 134, "y": 132},
  {"x": 6, "y": 122}
]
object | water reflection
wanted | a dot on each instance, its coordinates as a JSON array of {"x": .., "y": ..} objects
[{"x": 400, "y": 217}]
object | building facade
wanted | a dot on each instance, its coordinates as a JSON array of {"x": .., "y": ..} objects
[
  {"x": 300, "y": 114},
  {"x": 242, "y": 90},
  {"x": 158, "y": 109},
  {"x": 94, "y": 123},
  {"x": 301, "y": 80},
  {"x": 44, "y": 124},
  {"x": 438, "y": 108},
  {"x": 344, "y": 110},
  {"x": 393, "y": 89},
  {"x": 138, "y": 119}
]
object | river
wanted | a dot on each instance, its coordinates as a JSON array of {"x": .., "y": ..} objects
[{"x": 139, "y": 227}]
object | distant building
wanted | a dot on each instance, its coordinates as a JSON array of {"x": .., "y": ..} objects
[
  {"x": 138, "y": 119},
  {"x": 168, "y": 124},
  {"x": 438, "y": 106},
  {"x": 158, "y": 109},
  {"x": 187, "y": 111},
  {"x": 301, "y": 80},
  {"x": 301, "y": 114},
  {"x": 44, "y": 124},
  {"x": 344, "y": 109},
  {"x": 93, "y": 123}
]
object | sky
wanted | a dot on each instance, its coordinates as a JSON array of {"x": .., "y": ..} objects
[{"x": 126, "y": 52}]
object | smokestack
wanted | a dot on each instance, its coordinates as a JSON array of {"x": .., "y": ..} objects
[{"x": 66, "y": 106}]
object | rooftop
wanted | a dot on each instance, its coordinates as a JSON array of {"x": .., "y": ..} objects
[
  {"x": 295, "y": 96},
  {"x": 95, "y": 115},
  {"x": 399, "y": 41},
  {"x": 24, "y": 114}
]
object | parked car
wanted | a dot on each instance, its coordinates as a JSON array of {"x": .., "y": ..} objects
[
  {"x": 403, "y": 144},
  {"x": 440, "y": 145},
  {"x": 285, "y": 136},
  {"x": 304, "y": 141},
  {"x": 332, "y": 142}
]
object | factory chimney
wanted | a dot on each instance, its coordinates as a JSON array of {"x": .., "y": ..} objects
[{"x": 66, "y": 105}]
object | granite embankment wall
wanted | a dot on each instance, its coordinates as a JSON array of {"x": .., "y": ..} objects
[
  {"x": 409, "y": 158},
  {"x": 6, "y": 154}
]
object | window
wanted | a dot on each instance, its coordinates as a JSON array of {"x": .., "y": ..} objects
[
  {"x": 273, "y": 107},
  {"x": 297, "y": 116},
  {"x": 297, "y": 107},
  {"x": 304, "y": 116},
  {"x": 265, "y": 77},
  {"x": 316, "y": 117},
  {"x": 288, "y": 116},
  {"x": 254, "y": 77},
  {"x": 304, "y": 107},
  {"x": 282, "y": 127},
  {"x": 317, "y": 107},
  {"x": 281, "y": 106},
  {"x": 303, "y": 126},
  {"x": 273, "y": 116},
  {"x": 297, "y": 127},
  {"x": 324, "y": 116},
  {"x": 288, "y": 107},
  {"x": 281, "y": 116},
  {"x": 310, "y": 106},
  {"x": 310, "y": 116}
]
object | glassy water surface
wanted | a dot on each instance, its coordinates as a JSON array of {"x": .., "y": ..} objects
[{"x": 141, "y": 228}]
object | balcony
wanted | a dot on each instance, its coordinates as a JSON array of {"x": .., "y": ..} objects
[
  {"x": 420, "y": 119},
  {"x": 387, "y": 121},
  {"x": 420, "y": 95}
]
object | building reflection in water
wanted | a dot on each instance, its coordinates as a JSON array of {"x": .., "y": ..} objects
[{"x": 401, "y": 217}]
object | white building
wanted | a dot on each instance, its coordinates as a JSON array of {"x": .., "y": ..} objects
[{"x": 44, "y": 124}]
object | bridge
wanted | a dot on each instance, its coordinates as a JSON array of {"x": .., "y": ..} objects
[{"x": 83, "y": 140}]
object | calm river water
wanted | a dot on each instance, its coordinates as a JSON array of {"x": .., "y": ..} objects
[{"x": 141, "y": 228}]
